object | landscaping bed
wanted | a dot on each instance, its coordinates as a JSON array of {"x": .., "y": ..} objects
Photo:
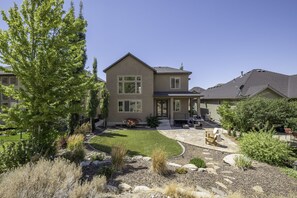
[{"x": 220, "y": 178}]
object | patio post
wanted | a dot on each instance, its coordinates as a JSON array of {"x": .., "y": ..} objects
[{"x": 171, "y": 111}]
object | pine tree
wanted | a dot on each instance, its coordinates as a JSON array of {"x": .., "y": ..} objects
[
  {"x": 42, "y": 48},
  {"x": 104, "y": 102},
  {"x": 93, "y": 98}
]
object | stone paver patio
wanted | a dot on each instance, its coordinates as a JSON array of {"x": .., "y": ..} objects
[{"x": 196, "y": 137}]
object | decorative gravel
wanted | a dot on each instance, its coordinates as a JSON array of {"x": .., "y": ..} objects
[{"x": 272, "y": 181}]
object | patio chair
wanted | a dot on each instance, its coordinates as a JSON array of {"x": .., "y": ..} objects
[{"x": 210, "y": 138}]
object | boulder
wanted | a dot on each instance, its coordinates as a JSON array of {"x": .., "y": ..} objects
[
  {"x": 147, "y": 158},
  {"x": 173, "y": 164},
  {"x": 101, "y": 163},
  {"x": 230, "y": 159},
  {"x": 141, "y": 189},
  {"x": 211, "y": 170},
  {"x": 201, "y": 169},
  {"x": 191, "y": 167},
  {"x": 124, "y": 187},
  {"x": 202, "y": 194},
  {"x": 112, "y": 189},
  {"x": 85, "y": 163},
  {"x": 137, "y": 157}
]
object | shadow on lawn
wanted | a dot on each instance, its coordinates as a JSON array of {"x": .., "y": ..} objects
[
  {"x": 107, "y": 149},
  {"x": 111, "y": 135}
]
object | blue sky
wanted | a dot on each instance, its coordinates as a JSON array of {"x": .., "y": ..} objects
[{"x": 215, "y": 39}]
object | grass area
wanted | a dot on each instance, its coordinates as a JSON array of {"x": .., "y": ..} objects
[
  {"x": 137, "y": 142},
  {"x": 289, "y": 171},
  {"x": 11, "y": 138}
]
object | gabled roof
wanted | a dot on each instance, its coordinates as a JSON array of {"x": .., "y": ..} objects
[
  {"x": 170, "y": 70},
  {"x": 197, "y": 90},
  {"x": 3, "y": 72},
  {"x": 252, "y": 83},
  {"x": 131, "y": 55}
]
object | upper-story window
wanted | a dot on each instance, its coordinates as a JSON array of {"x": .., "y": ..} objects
[
  {"x": 4, "y": 80},
  {"x": 175, "y": 82},
  {"x": 13, "y": 80},
  {"x": 129, "y": 84}
]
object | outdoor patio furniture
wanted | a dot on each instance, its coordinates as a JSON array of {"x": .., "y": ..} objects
[{"x": 210, "y": 138}]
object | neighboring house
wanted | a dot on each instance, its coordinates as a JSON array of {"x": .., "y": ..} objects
[
  {"x": 138, "y": 90},
  {"x": 8, "y": 79},
  {"x": 256, "y": 82}
]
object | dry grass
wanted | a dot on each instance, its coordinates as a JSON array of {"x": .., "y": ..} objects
[
  {"x": 159, "y": 160},
  {"x": 75, "y": 142},
  {"x": 174, "y": 190},
  {"x": 58, "y": 178},
  {"x": 84, "y": 129},
  {"x": 118, "y": 153}
]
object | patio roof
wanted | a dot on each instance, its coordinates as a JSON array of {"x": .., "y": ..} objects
[{"x": 177, "y": 94}]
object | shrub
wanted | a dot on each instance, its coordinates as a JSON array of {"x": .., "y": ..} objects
[
  {"x": 15, "y": 154},
  {"x": 97, "y": 156},
  {"x": 181, "y": 170},
  {"x": 243, "y": 162},
  {"x": 262, "y": 146},
  {"x": 118, "y": 153},
  {"x": 290, "y": 172},
  {"x": 159, "y": 158},
  {"x": 152, "y": 121},
  {"x": 76, "y": 155},
  {"x": 198, "y": 162},
  {"x": 84, "y": 129},
  {"x": 234, "y": 133},
  {"x": 58, "y": 178},
  {"x": 106, "y": 171},
  {"x": 75, "y": 142}
]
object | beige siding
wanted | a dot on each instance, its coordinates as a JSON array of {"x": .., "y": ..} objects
[
  {"x": 129, "y": 66},
  {"x": 183, "y": 113},
  {"x": 267, "y": 93},
  {"x": 162, "y": 82}
]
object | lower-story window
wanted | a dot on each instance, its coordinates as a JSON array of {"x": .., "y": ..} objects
[
  {"x": 130, "y": 106},
  {"x": 176, "y": 105}
]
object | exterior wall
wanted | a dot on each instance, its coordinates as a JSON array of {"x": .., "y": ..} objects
[
  {"x": 129, "y": 66},
  {"x": 162, "y": 82},
  {"x": 9, "y": 101},
  {"x": 267, "y": 93},
  {"x": 184, "y": 112}
]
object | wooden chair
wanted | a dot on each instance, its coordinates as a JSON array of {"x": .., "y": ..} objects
[{"x": 210, "y": 138}]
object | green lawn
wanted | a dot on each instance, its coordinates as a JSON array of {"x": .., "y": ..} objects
[
  {"x": 137, "y": 142},
  {"x": 11, "y": 138}
]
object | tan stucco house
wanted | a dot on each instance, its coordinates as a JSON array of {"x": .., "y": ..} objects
[{"x": 138, "y": 90}]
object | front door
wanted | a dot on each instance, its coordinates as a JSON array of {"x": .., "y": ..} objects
[{"x": 162, "y": 108}]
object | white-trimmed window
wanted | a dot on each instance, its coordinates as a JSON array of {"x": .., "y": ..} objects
[
  {"x": 130, "y": 106},
  {"x": 129, "y": 84},
  {"x": 176, "y": 106},
  {"x": 175, "y": 82}
]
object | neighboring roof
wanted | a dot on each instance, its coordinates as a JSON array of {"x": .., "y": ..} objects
[
  {"x": 131, "y": 55},
  {"x": 176, "y": 94},
  {"x": 170, "y": 70},
  {"x": 197, "y": 90},
  {"x": 252, "y": 83}
]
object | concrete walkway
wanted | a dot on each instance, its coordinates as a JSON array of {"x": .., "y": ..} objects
[{"x": 196, "y": 137}]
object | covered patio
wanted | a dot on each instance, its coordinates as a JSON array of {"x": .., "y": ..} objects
[{"x": 176, "y": 106}]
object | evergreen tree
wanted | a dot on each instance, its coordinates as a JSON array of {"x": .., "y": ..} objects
[
  {"x": 93, "y": 98},
  {"x": 42, "y": 48},
  {"x": 104, "y": 102}
]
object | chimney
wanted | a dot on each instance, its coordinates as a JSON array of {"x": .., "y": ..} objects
[{"x": 241, "y": 73}]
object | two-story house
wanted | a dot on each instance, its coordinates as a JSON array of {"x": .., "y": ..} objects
[
  {"x": 8, "y": 79},
  {"x": 138, "y": 90}
]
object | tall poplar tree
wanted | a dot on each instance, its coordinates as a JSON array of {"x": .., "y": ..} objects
[
  {"x": 94, "y": 97},
  {"x": 42, "y": 48}
]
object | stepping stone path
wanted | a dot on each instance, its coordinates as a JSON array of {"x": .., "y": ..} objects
[
  {"x": 226, "y": 172},
  {"x": 222, "y": 185},
  {"x": 228, "y": 180},
  {"x": 208, "y": 158}
]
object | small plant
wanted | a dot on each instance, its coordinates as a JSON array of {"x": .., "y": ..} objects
[
  {"x": 97, "y": 156},
  {"x": 84, "y": 129},
  {"x": 75, "y": 142},
  {"x": 198, "y": 162},
  {"x": 159, "y": 160},
  {"x": 234, "y": 133},
  {"x": 243, "y": 162},
  {"x": 174, "y": 190},
  {"x": 118, "y": 153},
  {"x": 181, "y": 170},
  {"x": 75, "y": 147},
  {"x": 152, "y": 121},
  {"x": 61, "y": 142},
  {"x": 290, "y": 172},
  {"x": 262, "y": 146},
  {"x": 106, "y": 171}
]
